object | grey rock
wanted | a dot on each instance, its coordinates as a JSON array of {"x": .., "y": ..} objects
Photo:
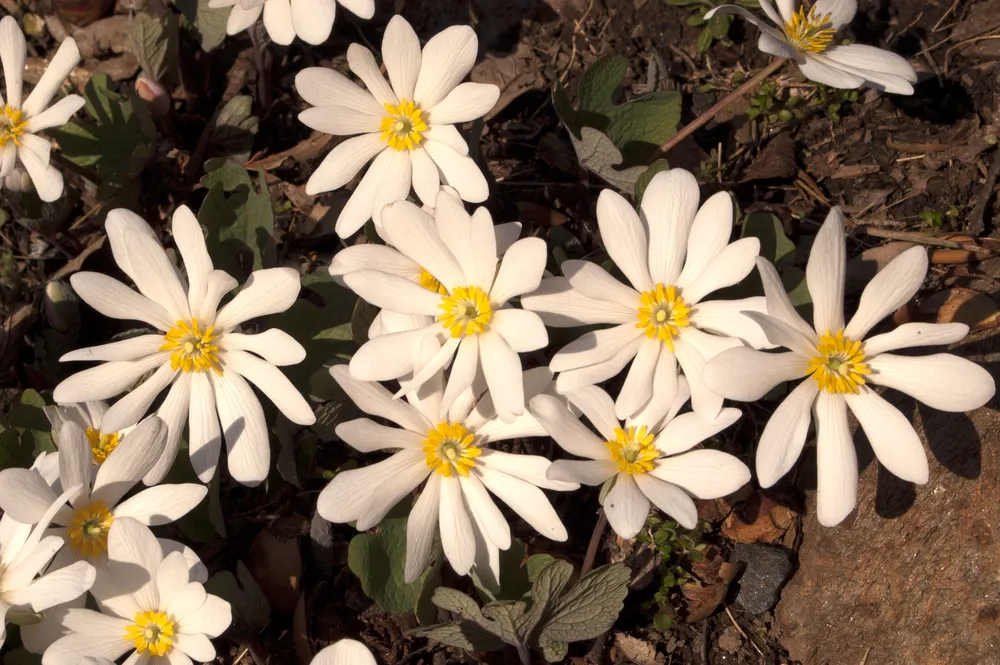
[{"x": 767, "y": 569}]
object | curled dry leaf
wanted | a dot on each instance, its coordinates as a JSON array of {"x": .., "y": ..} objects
[
  {"x": 961, "y": 305},
  {"x": 759, "y": 520},
  {"x": 706, "y": 592},
  {"x": 275, "y": 561}
]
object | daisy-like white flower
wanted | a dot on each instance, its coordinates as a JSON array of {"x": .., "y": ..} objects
[
  {"x": 198, "y": 351},
  {"x": 452, "y": 455},
  {"x": 838, "y": 363},
  {"x": 807, "y": 36},
  {"x": 149, "y": 606},
  {"x": 390, "y": 260},
  {"x": 20, "y": 121},
  {"x": 408, "y": 127},
  {"x": 25, "y": 551},
  {"x": 25, "y": 495},
  {"x": 344, "y": 652},
  {"x": 674, "y": 255},
  {"x": 466, "y": 312},
  {"x": 309, "y": 20},
  {"x": 648, "y": 458},
  {"x": 89, "y": 416}
]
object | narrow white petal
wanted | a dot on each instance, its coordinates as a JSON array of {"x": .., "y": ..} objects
[
  {"x": 781, "y": 334},
  {"x": 343, "y": 163},
  {"x": 727, "y": 318},
  {"x": 624, "y": 238},
  {"x": 598, "y": 372},
  {"x": 313, "y": 22},
  {"x": 502, "y": 369},
  {"x": 529, "y": 502},
  {"x": 244, "y": 428},
  {"x": 13, "y": 51},
  {"x": 710, "y": 232},
  {"x": 240, "y": 19},
  {"x": 638, "y": 387},
  {"x": 196, "y": 646},
  {"x": 389, "y": 356},
  {"x": 24, "y": 495},
  {"x": 693, "y": 352},
  {"x": 375, "y": 400},
  {"x": 465, "y": 103},
  {"x": 345, "y": 652},
  {"x": 212, "y": 618},
  {"x": 273, "y": 345},
  {"x": 778, "y": 304},
  {"x": 689, "y": 429},
  {"x": 426, "y": 177},
  {"x": 368, "y": 436},
  {"x": 520, "y": 270},
  {"x": 363, "y": 64},
  {"x": 133, "y": 553},
  {"x": 102, "y": 639},
  {"x": 449, "y": 136},
  {"x": 190, "y": 241},
  {"x": 459, "y": 171},
  {"x": 942, "y": 381},
  {"x": 747, "y": 375},
  {"x": 132, "y": 348},
  {"x": 130, "y": 461},
  {"x": 825, "y": 274},
  {"x": 597, "y": 346},
  {"x": 488, "y": 516},
  {"x": 267, "y": 291},
  {"x": 894, "y": 286},
  {"x": 392, "y": 489},
  {"x": 278, "y": 21},
  {"x": 707, "y": 474},
  {"x": 841, "y": 12},
  {"x": 275, "y": 385},
  {"x": 891, "y": 435},
  {"x": 75, "y": 462},
  {"x": 162, "y": 504},
  {"x": 572, "y": 435},
  {"x": 420, "y": 529},
  {"x": 529, "y": 468},
  {"x": 105, "y": 380},
  {"x": 58, "y": 115},
  {"x": 340, "y": 120},
  {"x": 416, "y": 235},
  {"x": 729, "y": 267},
  {"x": 113, "y": 299},
  {"x": 523, "y": 330},
  {"x": 626, "y": 506},
  {"x": 350, "y": 492},
  {"x": 597, "y": 407},
  {"x": 562, "y": 306},
  {"x": 911, "y": 335},
  {"x": 363, "y": 9},
  {"x": 447, "y": 58},
  {"x": 401, "y": 54},
  {"x": 62, "y": 63},
  {"x": 836, "y": 461},
  {"x": 589, "y": 472},
  {"x": 668, "y": 206},
  {"x": 134, "y": 404},
  {"x": 323, "y": 86},
  {"x": 829, "y": 74},
  {"x": 784, "y": 436},
  {"x": 669, "y": 498},
  {"x": 204, "y": 435},
  {"x": 173, "y": 412},
  {"x": 46, "y": 178},
  {"x": 457, "y": 538},
  {"x": 155, "y": 274},
  {"x": 593, "y": 281}
]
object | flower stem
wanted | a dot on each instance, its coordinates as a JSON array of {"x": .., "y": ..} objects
[
  {"x": 595, "y": 540},
  {"x": 717, "y": 108}
]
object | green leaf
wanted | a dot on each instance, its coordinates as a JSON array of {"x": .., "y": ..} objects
[
  {"x": 547, "y": 587},
  {"x": 683, "y": 3},
  {"x": 505, "y": 616},
  {"x": 705, "y": 40},
  {"x": 553, "y": 651},
  {"x": 462, "y": 635},
  {"x": 379, "y": 561},
  {"x": 21, "y": 656},
  {"x": 239, "y": 219},
  {"x": 209, "y": 24},
  {"x": 248, "y": 602},
  {"x": 15, "y": 450},
  {"x": 28, "y": 413},
  {"x": 458, "y": 603},
  {"x": 597, "y": 152},
  {"x": 718, "y": 25},
  {"x": 514, "y": 581},
  {"x": 590, "y": 608},
  {"x": 774, "y": 244},
  {"x": 536, "y": 564},
  {"x": 643, "y": 181},
  {"x": 599, "y": 84},
  {"x": 116, "y": 142},
  {"x": 154, "y": 42},
  {"x": 233, "y": 129}
]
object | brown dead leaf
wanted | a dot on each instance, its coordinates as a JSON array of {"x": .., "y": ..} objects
[
  {"x": 638, "y": 651},
  {"x": 958, "y": 255},
  {"x": 775, "y": 161},
  {"x": 300, "y": 632},
  {"x": 961, "y": 305},
  {"x": 849, "y": 171},
  {"x": 540, "y": 215},
  {"x": 514, "y": 75},
  {"x": 275, "y": 561},
  {"x": 303, "y": 151},
  {"x": 759, "y": 520},
  {"x": 706, "y": 593}
]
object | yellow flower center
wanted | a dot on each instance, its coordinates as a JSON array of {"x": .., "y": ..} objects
[
  {"x": 467, "y": 311},
  {"x": 448, "y": 447},
  {"x": 633, "y": 450},
  {"x": 11, "y": 125},
  {"x": 840, "y": 366},
  {"x": 431, "y": 283},
  {"x": 402, "y": 125},
  {"x": 101, "y": 444},
  {"x": 151, "y": 632},
  {"x": 193, "y": 350},
  {"x": 809, "y": 32},
  {"x": 88, "y": 530},
  {"x": 662, "y": 314}
]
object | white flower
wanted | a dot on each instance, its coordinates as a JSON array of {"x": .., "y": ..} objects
[
  {"x": 390, "y": 260},
  {"x": 344, "y": 652},
  {"x": 25, "y": 494},
  {"x": 198, "y": 352},
  {"x": 664, "y": 320},
  {"x": 408, "y": 127},
  {"x": 25, "y": 551},
  {"x": 89, "y": 416},
  {"x": 838, "y": 362},
  {"x": 807, "y": 37},
  {"x": 149, "y": 605},
  {"x": 309, "y": 20},
  {"x": 648, "y": 457},
  {"x": 466, "y": 317},
  {"x": 21, "y": 121},
  {"x": 451, "y": 454}
]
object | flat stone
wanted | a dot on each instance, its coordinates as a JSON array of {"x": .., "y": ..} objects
[
  {"x": 767, "y": 570},
  {"x": 913, "y": 575}
]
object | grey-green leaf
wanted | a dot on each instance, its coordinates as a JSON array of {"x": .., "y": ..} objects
[
  {"x": 553, "y": 651},
  {"x": 597, "y": 152},
  {"x": 505, "y": 616},
  {"x": 463, "y": 635},
  {"x": 590, "y": 608},
  {"x": 548, "y": 585}
]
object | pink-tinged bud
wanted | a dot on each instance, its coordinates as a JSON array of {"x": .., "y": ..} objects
[{"x": 154, "y": 94}]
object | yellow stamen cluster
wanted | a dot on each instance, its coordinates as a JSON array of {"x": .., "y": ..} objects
[
  {"x": 448, "y": 448},
  {"x": 633, "y": 450},
  {"x": 809, "y": 32},
  {"x": 101, "y": 444},
  {"x": 403, "y": 125},
  {"x": 152, "y": 632},
  {"x": 88, "y": 530},
  {"x": 431, "y": 283},
  {"x": 12, "y": 125},
  {"x": 193, "y": 350},
  {"x": 662, "y": 314},
  {"x": 467, "y": 311},
  {"x": 840, "y": 366}
]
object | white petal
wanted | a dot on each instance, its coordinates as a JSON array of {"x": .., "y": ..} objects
[
  {"x": 135, "y": 403},
  {"x": 597, "y": 346},
  {"x": 836, "y": 461},
  {"x": 313, "y": 22},
  {"x": 828, "y": 74},
  {"x": 426, "y": 177},
  {"x": 118, "y": 221},
  {"x": 59, "y": 67},
  {"x": 463, "y": 373},
  {"x": 710, "y": 232},
  {"x": 204, "y": 434},
  {"x": 244, "y": 427},
  {"x": 522, "y": 330},
  {"x": 112, "y": 298},
  {"x": 600, "y": 371},
  {"x": 392, "y": 489},
  {"x": 669, "y": 206},
  {"x": 390, "y": 356},
  {"x": 190, "y": 240},
  {"x": 102, "y": 639},
  {"x": 520, "y": 270},
  {"x": 487, "y": 514},
  {"x": 529, "y": 468},
  {"x": 12, "y": 53},
  {"x": 362, "y": 63},
  {"x": 459, "y": 171},
  {"x": 278, "y": 21},
  {"x": 626, "y": 506},
  {"x": 529, "y": 502},
  {"x": 667, "y": 392},
  {"x": 75, "y": 462},
  {"x": 638, "y": 387},
  {"x": 345, "y": 652},
  {"x": 130, "y": 461},
  {"x": 910, "y": 335},
  {"x": 778, "y": 304},
  {"x": 416, "y": 235},
  {"x": 421, "y": 526},
  {"x": 105, "y": 380},
  {"x": 889, "y": 290},
  {"x": 484, "y": 418},
  {"x": 134, "y": 554},
  {"x": 375, "y": 400},
  {"x": 374, "y": 257},
  {"x": 881, "y": 69},
  {"x": 275, "y": 385},
  {"x": 774, "y": 45},
  {"x": 689, "y": 429},
  {"x": 457, "y": 537},
  {"x": 502, "y": 368},
  {"x": 401, "y": 54},
  {"x": 172, "y": 576},
  {"x": 24, "y": 495},
  {"x": 598, "y": 408},
  {"x": 162, "y": 504},
  {"x": 323, "y": 86},
  {"x": 589, "y": 472},
  {"x": 58, "y": 115},
  {"x": 240, "y": 19},
  {"x": 47, "y": 179},
  {"x": 669, "y": 498},
  {"x": 449, "y": 136},
  {"x": 195, "y": 645},
  {"x": 212, "y": 618},
  {"x": 471, "y": 238},
  {"x": 465, "y": 103},
  {"x": 707, "y": 474},
  {"x": 340, "y": 120},
  {"x": 219, "y": 284},
  {"x": 781, "y": 334},
  {"x": 351, "y": 492},
  {"x": 562, "y": 306},
  {"x": 343, "y": 163},
  {"x": 693, "y": 352},
  {"x": 891, "y": 435},
  {"x": 173, "y": 412},
  {"x": 784, "y": 436},
  {"x": 624, "y": 238},
  {"x": 729, "y": 267},
  {"x": 54, "y": 588},
  {"x": 155, "y": 274},
  {"x": 132, "y": 348},
  {"x": 593, "y": 281},
  {"x": 841, "y": 12},
  {"x": 942, "y": 381},
  {"x": 747, "y": 375},
  {"x": 387, "y": 180},
  {"x": 572, "y": 435},
  {"x": 267, "y": 291},
  {"x": 447, "y": 59},
  {"x": 368, "y": 436},
  {"x": 273, "y": 345},
  {"x": 727, "y": 318},
  {"x": 363, "y": 9}
]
